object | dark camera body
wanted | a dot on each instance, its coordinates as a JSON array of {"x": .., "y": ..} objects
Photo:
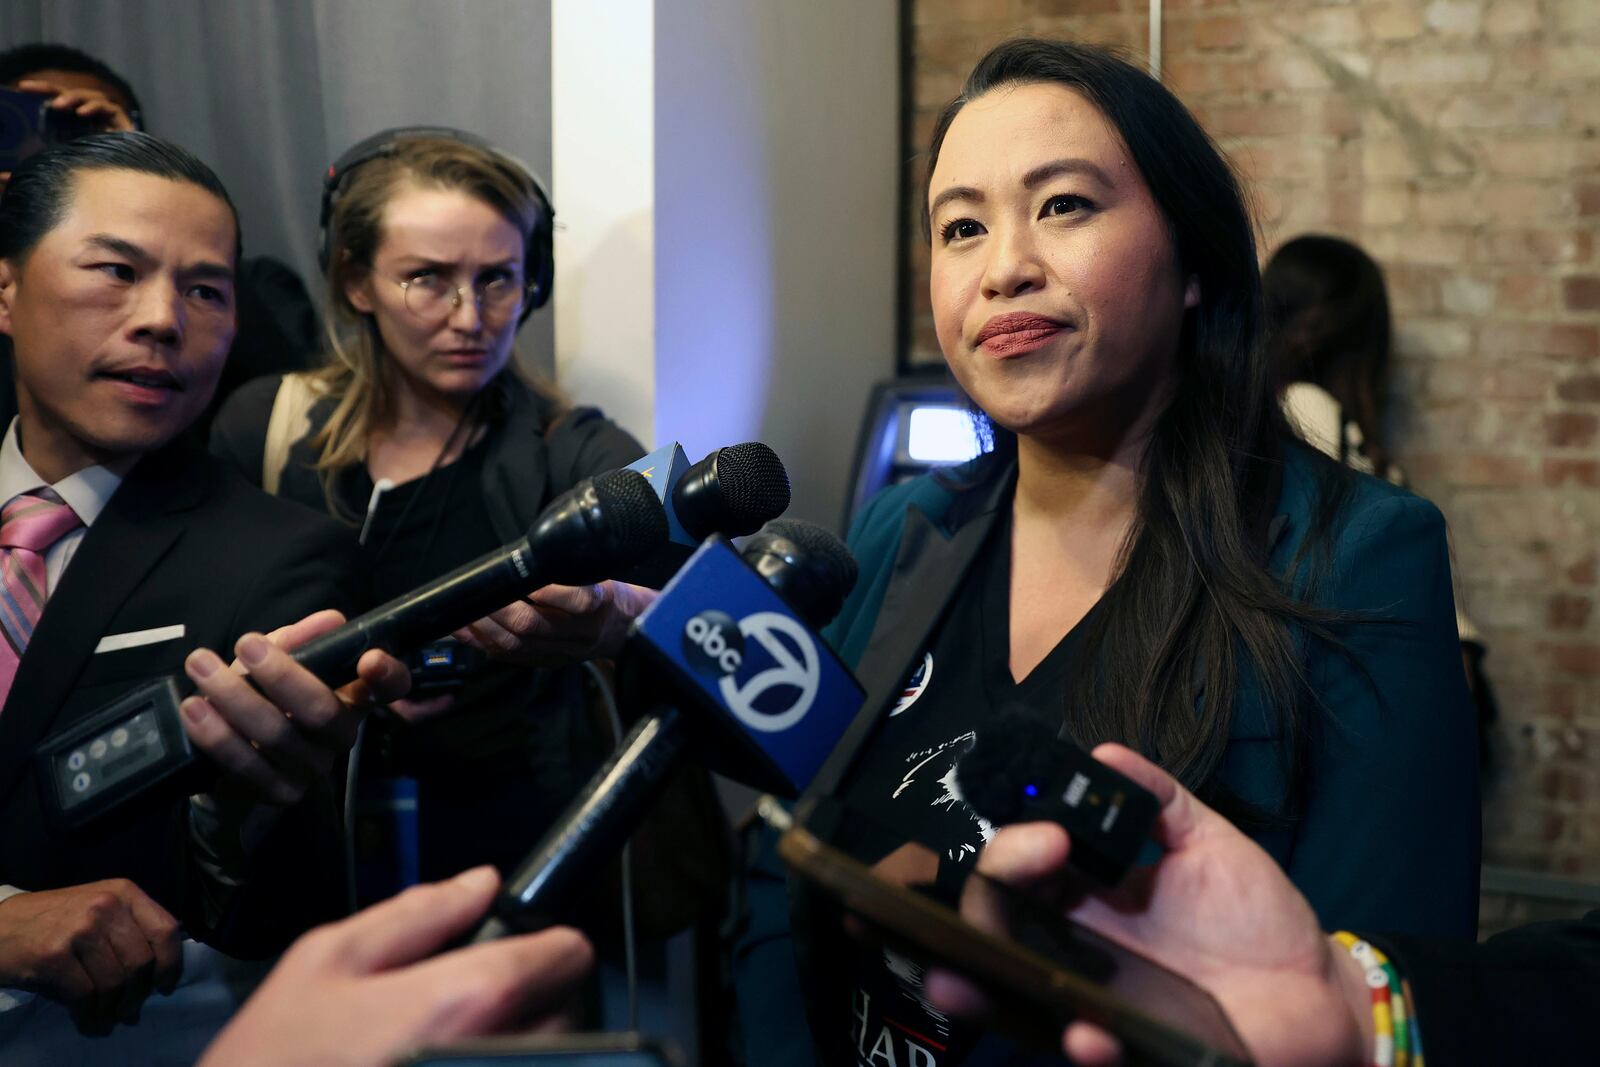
[{"x": 27, "y": 125}]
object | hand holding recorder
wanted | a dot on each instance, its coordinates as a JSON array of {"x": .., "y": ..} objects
[
  {"x": 730, "y": 492},
  {"x": 1215, "y": 909}
]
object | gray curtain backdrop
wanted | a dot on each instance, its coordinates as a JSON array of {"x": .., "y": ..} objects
[{"x": 270, "y": 91}]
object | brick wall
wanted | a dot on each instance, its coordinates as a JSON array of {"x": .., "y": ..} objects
[{"x": 1456, "y": 140}]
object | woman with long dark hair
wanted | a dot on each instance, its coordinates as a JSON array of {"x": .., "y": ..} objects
[
  {"x": 1147, "y": 554},
  {"x": 1330, "y": 334}
]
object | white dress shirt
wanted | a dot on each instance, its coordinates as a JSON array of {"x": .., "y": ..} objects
[{"x": 86, "y": 492}]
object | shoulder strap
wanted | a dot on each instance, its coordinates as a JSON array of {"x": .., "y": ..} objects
[{"x": 289, "y": 422}]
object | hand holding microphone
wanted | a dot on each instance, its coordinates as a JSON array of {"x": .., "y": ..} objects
[
  {"x": 731, "y": 672},
  {"x": 601, "y": 526},
  {"x": 559, "y": 624},
  {"x": 240, "y": 724},
  {"x": 730, "y": 492}
]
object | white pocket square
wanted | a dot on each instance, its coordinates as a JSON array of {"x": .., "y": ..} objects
[{"x": 135, "y": 638}]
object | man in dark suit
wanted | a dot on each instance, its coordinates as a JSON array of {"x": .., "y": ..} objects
[{"x": 122, "y": 557}]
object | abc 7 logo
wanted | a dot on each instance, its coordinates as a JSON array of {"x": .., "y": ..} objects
[{"x": 716, "y": 645}]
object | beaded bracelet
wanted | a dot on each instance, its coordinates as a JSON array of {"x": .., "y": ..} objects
[{"x": 1397, "y": 1039}]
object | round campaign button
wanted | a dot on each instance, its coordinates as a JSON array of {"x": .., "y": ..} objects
[
  {"x": 76, "y": 761},
  {"x": 119, "y": 737},
  {"x": 80, "y": 782},
  {"x": 97, "y": 749}
]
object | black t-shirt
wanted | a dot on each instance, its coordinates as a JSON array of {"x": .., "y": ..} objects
[
  {"x": 424, "y": 527},
  {"x": 421, "y": 529},
  {"x": 904, "y": 784}
]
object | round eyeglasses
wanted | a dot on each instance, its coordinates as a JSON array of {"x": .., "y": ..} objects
[{"x": 432, "y": 296}]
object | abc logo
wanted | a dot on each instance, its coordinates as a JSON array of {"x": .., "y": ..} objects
[
  {"x": 713, "y": 644},
  {"x": 787, "y": 674}
]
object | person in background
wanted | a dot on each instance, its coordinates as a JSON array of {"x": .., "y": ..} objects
[
  {"x": 1218, "y": 910},
  {"x": 76, "y": 82},
  {"x": 125, "y": 555},
  {"x": 1331, "y": 333},
  {"x": 277, "y": 323},
  {"x": 1329, "y": 327},
  {"x": 1147, "y": 555},
  {"x": 421, "y": 430}
]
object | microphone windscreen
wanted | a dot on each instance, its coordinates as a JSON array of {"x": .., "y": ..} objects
[
  {"x": 825, "y": 551},
  {"x": 1013, "y": 750},
  {"x": 806, "y": 565},
  {"x": 744, "y": 486},
  {"x": 635, "y": 522}
]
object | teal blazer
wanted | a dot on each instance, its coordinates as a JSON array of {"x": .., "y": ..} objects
[{"x": 1387, "y": 836}]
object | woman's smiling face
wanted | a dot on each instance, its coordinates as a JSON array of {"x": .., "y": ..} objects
[{"x": 1057, "y": 295}]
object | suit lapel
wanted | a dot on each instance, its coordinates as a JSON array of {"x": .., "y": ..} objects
[
  {"x": 139, "y": 525},
  {"x": 929, "y": 567}
]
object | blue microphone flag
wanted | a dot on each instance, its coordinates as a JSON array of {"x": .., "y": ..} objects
[
  {"x": 778, "y": 697},
  {"x": 662, "y": 469}
]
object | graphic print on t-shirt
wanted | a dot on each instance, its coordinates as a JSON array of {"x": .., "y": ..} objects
[
  {"x": 931, "y": 782},
  {"x": 904, "y": 788},
  {"x": 893, "y": 1024}
]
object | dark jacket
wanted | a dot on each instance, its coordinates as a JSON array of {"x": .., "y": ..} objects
[
  {"x": 535, "y": 452},
  {"x": 181, "y": 541},
  {"x": 532, "y": 455},
  {"x": 1525, "y": 996},
  {"x": 1389, "y": 833}
]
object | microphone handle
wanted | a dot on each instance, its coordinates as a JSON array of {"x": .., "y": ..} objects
[
  {"x": 592, "y": 830},
  {"x": 447, "y": 603}
]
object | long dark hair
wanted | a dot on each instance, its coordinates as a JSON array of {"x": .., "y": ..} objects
[
  {"x": 1328, "y": 323},
  {"x": 1194, "y": 614}
]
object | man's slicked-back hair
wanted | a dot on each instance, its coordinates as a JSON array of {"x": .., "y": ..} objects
[
  {"x": 27, "y": 59},
  {"x": 41, "y": 189}
]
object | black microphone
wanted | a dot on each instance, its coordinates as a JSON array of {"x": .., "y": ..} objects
[
  {"x": 710, "y": 639},
  {"x": 730, "y": 492},
  {"x": 586, "y": 534},
  {"x": 1021, "y": 770},
  {"x": 809, "y": 567},
  {"x": 137, "y": 742}
]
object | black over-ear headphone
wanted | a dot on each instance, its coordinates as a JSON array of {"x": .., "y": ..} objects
[{"x": 540, "y": 268}]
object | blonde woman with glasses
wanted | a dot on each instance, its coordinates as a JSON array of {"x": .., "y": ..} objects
[{"x": 420, "y": 432}]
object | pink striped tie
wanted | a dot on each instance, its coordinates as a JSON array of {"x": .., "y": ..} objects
[{"x": 29, "y": 524}]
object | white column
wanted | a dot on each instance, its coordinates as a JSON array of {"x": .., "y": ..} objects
[
  {"x": 776, "y": 158},
  {"x": 602, "y": 98},
  {"x": 724, "y": 182}
]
